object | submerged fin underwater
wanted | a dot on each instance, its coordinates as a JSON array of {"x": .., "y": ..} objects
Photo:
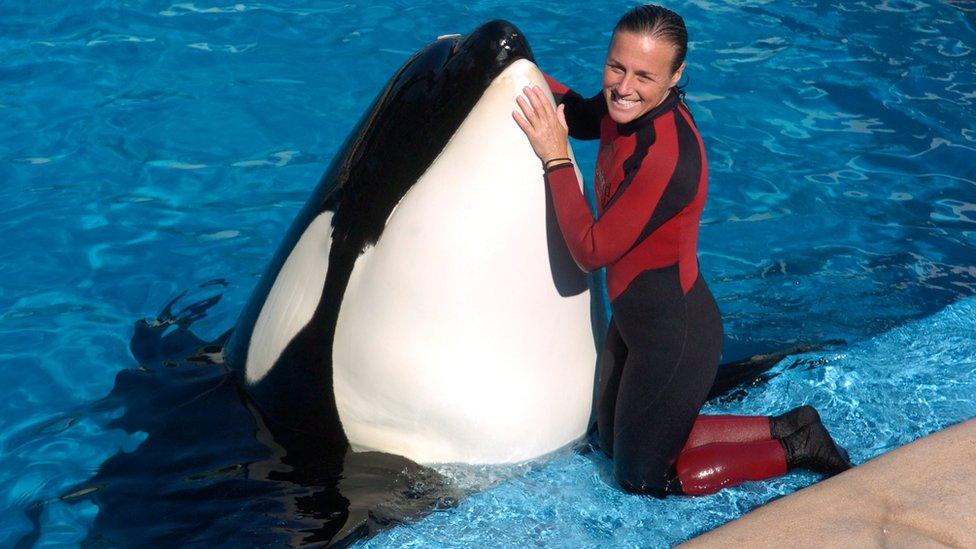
[{"x": 405, "y": 350}]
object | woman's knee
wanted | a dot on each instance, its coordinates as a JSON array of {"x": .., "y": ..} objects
[{"x": 639, "y": 474}]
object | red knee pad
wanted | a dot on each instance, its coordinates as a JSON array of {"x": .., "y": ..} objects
[{"x": 709, "y": 468}]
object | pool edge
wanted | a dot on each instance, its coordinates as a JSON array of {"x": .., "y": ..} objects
[{"x": 918, "y": 495}]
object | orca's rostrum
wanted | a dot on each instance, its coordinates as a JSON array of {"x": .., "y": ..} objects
[{"x": 423, "y": 302}]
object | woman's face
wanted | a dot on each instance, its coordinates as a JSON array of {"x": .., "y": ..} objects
[{"x": 637, "y": 75}]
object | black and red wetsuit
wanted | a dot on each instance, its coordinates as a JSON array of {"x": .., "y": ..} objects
[{"x": 665, "y": 338}]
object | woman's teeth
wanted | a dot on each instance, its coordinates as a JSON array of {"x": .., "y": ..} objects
[{"x": 624, "y": 103}]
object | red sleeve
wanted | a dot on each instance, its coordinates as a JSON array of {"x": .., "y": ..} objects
[{"x": 597, "y": 243}]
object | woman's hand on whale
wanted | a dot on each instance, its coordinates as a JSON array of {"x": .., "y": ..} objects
[{"x": 544, "y": 125}]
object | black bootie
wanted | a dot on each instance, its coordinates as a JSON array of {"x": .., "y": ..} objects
[
  {"x": 785, "y": 425},
  {"x": 811, "y": 447}
]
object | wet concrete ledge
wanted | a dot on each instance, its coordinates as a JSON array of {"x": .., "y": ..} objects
[{"x": 920, "y": 495}]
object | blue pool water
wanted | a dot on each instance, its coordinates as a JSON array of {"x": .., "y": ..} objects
[{"x": 147, "y": 148}]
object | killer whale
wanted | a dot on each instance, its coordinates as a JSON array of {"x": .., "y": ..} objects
[{"x": 423, "y": 302}]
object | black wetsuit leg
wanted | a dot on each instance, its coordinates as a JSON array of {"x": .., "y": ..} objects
[
  {"x": 672, "y": 343},
  {"x": 612, "y": 361}
]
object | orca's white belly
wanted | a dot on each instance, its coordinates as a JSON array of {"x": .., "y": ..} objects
[{"x": 452, "y": 343}]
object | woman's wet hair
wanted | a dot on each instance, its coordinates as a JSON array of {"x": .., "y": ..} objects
[{"x": 660, "y": 24}]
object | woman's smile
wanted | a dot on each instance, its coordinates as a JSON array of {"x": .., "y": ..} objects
[{"x": 623, "y": 104}]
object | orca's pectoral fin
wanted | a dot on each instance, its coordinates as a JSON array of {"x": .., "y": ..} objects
[
  {"x": 385, "y": 490},
  {"x": 196, "y": 310},
  {"x": 354, "y": 495},
  {"x": 166, "y": 315},
  {"x": 168, "y": 337}
]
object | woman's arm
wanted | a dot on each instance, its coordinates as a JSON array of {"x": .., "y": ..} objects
[
  {"x": 597, "y": 243},
  {"x": 583, "y": 116}
]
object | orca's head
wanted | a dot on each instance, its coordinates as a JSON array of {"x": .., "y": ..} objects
[
  {"x": 487, "y": 51},
  {"x": 409, "y": 124}
]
